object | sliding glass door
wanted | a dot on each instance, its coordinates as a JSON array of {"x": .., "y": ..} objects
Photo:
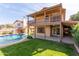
[{"x": 55, "y": 30}]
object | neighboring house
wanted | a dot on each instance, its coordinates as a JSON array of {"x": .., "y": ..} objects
[
  {"x": 50, "y": 21},
  {"x": 18, "y": 24}
]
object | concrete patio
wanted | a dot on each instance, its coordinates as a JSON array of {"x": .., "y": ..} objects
[{"x": 68, "y": 40}]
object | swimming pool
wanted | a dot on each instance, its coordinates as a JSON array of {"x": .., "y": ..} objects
[{"x": 11, "y": 38}]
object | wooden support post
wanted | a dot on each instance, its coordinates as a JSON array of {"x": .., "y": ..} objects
[
  {"x": 49, "y": 18},
  {"x": 61, "y": 32},
  {"x": 45, "y": 25},
  {"x": 50, "y": 25},
  {"x": 35, "y": 27},
  {"x": 28, "y": 25},
  {"x": 45, "y": 32},
  {"x": 61, "y": 25},
  {"x": 64, "y": 14},
  {"x": 35, "y": 31}
]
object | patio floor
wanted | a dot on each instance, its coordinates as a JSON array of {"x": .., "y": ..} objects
[{"x": 68, "y": 40}]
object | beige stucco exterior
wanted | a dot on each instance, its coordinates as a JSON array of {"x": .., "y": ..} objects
[{"x": 47, "y": 30}]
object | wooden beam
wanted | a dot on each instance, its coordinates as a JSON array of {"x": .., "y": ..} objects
[
  {"x": 61, "y": 26},
  {"x": 35, "y": 27},
  {"x": 62, "y": 14},
  {"x": 49, "y": 17},
  {"x": 61, "y": 32},
  {"x": 45, "y": 26},
  {"x": 28, "y": 25}
]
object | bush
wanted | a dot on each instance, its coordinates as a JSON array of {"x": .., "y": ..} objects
[
  {"x": 4, "y": 33},
  {"x": 7, "y": 32},
  {"x": 10, "y": 32},
  {"x": 29, "y": 37},
  {"x": 75, "y": 33}
]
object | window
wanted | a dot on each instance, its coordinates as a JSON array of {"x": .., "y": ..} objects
[
  {"x": 40, "y": 30},
  {"x": 56, "y": 18},
  {"x": 19, "y": 24},
  {"x": 47, "y": 18},
  {"x": 56, "y": 30}
]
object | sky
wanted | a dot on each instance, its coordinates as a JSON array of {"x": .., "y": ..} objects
[{"x": 9, "y": 12}]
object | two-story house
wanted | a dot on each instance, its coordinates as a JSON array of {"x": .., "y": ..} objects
[{"x": 50, "y": 22}]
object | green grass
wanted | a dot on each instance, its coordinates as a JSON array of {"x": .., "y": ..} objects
[{"x": 38, "y": 48}]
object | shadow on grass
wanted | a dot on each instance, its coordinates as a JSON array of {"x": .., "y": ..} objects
[{"x": 33, "y": 47}]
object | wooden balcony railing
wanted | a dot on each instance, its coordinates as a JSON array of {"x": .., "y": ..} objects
[{"x": 43, "y": 22}]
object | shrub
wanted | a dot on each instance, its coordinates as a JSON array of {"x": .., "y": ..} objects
[
  {"x": 10, "y": 32},
  {"x": 29, "y": 37},
  {"x": 3, "y": 33},
  {"x": 75, "y": 33}
]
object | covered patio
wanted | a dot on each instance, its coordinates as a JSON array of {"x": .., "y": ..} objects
[
  {"x": 66, "y": 33},
  {"x": 68, "y": 40},
  {"x": 67, "y": 27}
]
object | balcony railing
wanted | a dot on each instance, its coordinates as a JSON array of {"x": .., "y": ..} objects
[
  {"x": 43, "y": 22},
  {"x": 31, "y": 22}
]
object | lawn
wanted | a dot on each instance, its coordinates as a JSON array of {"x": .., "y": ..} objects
[{"x": 37, "y": 47}]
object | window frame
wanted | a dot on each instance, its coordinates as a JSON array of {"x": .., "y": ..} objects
[
  {"x": 40, "y": 29},
  {"x": 55, "y": 17}
]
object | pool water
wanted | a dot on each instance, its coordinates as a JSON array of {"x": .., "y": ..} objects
[{"x": 11, "y": 38}]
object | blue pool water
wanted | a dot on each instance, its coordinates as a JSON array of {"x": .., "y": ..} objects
[{"x": 11, "y": 38}]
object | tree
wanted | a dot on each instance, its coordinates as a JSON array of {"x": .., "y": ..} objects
[
  {"x": 75, "y": 17},
  {"x": 8, "y": 26},
  {"x": 75, "y": 33}
]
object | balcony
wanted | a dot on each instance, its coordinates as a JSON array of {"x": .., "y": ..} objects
[{"x": 44, "y": 22}]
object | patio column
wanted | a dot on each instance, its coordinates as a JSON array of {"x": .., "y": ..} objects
[
  {"x": 35, "y": 27},
  {"x": 61, "y": 32},
  {"x": 50, "y": 25},
  {"x": 64, "y": 15},
  {"x": 49, "y": 18},
  {"x": 45, "y": 25},
  {"x": 61, "y": 26}
]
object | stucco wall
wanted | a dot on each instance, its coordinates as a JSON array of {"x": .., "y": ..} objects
[{"x": 47, "y": 30}]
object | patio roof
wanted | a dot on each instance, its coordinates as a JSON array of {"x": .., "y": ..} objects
[{"x": 69, "y": 23}]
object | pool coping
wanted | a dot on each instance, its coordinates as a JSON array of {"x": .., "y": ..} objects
[{"x": 9, "y": 44}]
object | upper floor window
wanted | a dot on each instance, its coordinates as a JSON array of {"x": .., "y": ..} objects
[
  {"x": 46, "y": 18},
  {"x": 56, "y": 18}
]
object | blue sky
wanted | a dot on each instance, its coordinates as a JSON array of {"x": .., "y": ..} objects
[{"x": 9, "y": 12}]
